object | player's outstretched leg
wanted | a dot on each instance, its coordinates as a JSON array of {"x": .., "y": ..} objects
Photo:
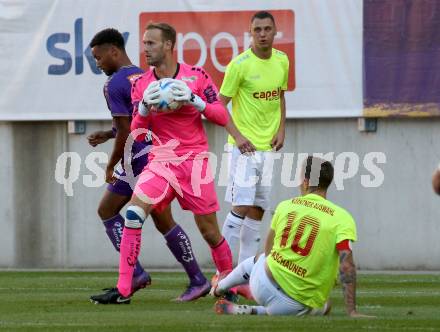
[
  {"x": 226, "y": 294},
  {"x": 238, "y": 276}
]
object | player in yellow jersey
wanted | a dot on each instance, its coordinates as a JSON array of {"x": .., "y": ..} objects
[
  {"x": 255, "y": 81},
  {"x": 308, "y": 240}
]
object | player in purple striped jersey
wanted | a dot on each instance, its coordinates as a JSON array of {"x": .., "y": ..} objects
[{"x": 109, "y": 52}]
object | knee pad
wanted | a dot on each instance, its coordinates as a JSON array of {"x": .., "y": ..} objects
[{"x": 134, "y": 217}]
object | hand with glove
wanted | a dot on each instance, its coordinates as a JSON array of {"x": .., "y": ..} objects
[
  {"x": 182, "y": 92},
  {"x": 150, "y": 98}
]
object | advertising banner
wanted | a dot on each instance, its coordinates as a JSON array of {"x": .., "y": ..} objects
[{"x": 48, "y": 71}]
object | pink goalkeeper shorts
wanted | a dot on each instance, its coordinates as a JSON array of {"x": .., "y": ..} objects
[{"x": 190, "y": 181}]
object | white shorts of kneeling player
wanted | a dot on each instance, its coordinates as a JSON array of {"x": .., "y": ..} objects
[{"x": 269, "y": 295}]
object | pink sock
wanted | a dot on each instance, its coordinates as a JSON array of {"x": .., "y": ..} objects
[
  {"x": 222, "y": 256},
  {"x": 129, "y": 252}
]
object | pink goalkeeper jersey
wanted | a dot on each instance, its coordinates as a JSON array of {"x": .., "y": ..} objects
[{"x": 179, "y": 132}]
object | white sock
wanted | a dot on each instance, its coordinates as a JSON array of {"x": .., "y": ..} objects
[
  {"x": 249, "y": 238},
  {"x": 244, "y": 309},
  {"x": 259, "y": 310},
  {"x": 239, "y": 275},
  {"x": 231, "y": 231}
]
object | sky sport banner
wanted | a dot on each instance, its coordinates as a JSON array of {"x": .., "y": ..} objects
[
  {"x": 402, "y": 58},
  {"x": 48, "y": 72}
]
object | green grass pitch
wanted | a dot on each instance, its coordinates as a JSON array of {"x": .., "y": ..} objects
[{"x": 58, "y": 301}]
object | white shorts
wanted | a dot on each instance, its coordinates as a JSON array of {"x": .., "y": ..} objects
[
  {"x": 250, "y": 178},
  {"x": 270, "y": 295}
]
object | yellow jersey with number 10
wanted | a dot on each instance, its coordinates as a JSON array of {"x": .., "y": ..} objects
[
  {"x": 255, "y": 86},
  {"x": 304, "y": 260}
]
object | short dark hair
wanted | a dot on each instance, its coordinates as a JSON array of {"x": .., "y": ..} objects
[
  {"x": 262, "y": 15},
  {"x": 168, "y": 32},
  {"x": 108, "y": 36},
  {"x": 326, "y": 171}
]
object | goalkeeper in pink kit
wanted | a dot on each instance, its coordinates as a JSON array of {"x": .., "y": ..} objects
[{"x": 178, "y": 162}]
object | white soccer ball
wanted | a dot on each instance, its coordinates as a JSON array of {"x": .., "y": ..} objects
[{"x": 167, "y": 102}]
